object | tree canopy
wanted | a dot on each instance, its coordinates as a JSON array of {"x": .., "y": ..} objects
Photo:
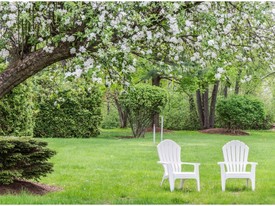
[{"x": 109, "y": 37}]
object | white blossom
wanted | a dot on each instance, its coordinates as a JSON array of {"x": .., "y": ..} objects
[
  {"x": 89, "y": 62},
  {"x": 82, "y": 49},
  {"x": 48, "y": 49},
  {"x": 4, "y": 53},
  {"x": 211, "y": 42},
  {"x": 188, "y": 23},
  {"x": 220, "y": 70},
  {"x": 71, "y": 38},
  {"x": 218, "y": 76},
  {"x": 73, "y": 50}
]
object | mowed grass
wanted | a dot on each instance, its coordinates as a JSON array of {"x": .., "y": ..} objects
[{"x": 109, "y": 170}]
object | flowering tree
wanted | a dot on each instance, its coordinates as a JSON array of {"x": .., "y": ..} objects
[{"x": 107, "y": 37}]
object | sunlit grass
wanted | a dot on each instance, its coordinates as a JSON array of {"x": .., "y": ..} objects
[{"x": 109, "y": 170}]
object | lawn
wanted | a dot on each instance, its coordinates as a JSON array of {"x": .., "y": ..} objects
[{"x": 109, "y": 170}]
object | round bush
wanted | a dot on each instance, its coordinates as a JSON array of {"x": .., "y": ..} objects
[
  {"x": 70, "y": 113},
  {"x": 241, "y": 112},
  {"x": 141, "y": 102},
  {"x": 24, "y": 158}
]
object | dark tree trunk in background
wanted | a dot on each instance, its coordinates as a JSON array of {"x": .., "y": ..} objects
[
  {"x": 206, "y": 118},
  {"x": 121, "y": 112},
  {"x": 213, "y": 104},
  {"x": 200, "y": 107},
  {"x": 156, "y": 82},
  {"x": 237, "y": 85},
  {"x": 225, "y": 91},
  {"x": 205, "y": 109}
]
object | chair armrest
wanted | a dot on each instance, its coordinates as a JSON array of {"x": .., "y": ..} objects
[
  {"x": 252, "y": 163},
  {"x": 164, "y": 163},
  {"x": 222, "y": 166},
  {"x": 186, "y": 163},
  {"x": 189, "y": 163}
]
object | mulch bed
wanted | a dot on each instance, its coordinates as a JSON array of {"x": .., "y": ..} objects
[
  {"x": 147, "y": 130},
  {"x": 224, "y": 131},
  {"x": 158, "y": 130},
  {"x": 19, "y": 186}
]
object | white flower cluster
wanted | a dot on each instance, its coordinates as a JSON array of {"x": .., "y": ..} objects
[
  {"x": 68, "y": 38},
  {"x": 10, "y": 19},
  {"x": 77, "y": 73},
  {"x": 4, "y": 53},
  {"x": 48, "y": 49},
  {"x": 246, "y": 78},
  {"x": 196, "y": 56},
  {"x": 219, "y": 73}
]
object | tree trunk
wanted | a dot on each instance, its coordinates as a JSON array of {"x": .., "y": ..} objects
[
  {"x": 237, "y": 85},
  {"x": 225, "y": 91},
  {"x": 121, "y": 112},
  {"x": 200, "y": 108},
  {"x": 156, "y": 82},
  {"x": 213, "y": 104},
  {"x": 21, "y": 69},
  {"x": 205, "y": 109}
]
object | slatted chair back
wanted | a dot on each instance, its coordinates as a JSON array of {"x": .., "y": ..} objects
[
  {"x": 169, "y": 152},
  {"x": 235, "y": 155}
]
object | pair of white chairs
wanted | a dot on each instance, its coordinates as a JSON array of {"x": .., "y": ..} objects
[{"x": 235, "y": 155}]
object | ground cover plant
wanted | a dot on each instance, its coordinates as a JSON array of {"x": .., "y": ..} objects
[{"x": 110, "y": 170}]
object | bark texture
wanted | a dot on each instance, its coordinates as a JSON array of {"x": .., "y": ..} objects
[
  {"x": 206, "y": 117},
  {"x": 21, "y": 69}
]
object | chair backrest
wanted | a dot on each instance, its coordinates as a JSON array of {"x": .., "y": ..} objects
[
  {"x": 169, "y": 151},
  {"x": 235, "y": 155}
]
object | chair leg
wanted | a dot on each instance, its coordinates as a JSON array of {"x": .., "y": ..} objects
[
  {"x": 223, "y": 183},
  {"x": 163, "y": 178},
  {"x": 198, "y": 184},
  {"x": 172, "y": 184},
  {"x": 181, "y": 183},
  {"x": 247, "y": 182},
  {"x": 253, "y": 184}
]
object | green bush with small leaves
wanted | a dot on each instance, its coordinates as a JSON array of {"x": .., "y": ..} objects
[
  {"x": 141, "y": 102},
  {"x": 16, "y": 111},
  {"x": 24, "y": 158},
  {"x": 241, "y": 112},
  {"x": 70, "y": 113}
]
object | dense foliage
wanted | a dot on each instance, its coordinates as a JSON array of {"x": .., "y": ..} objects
[
  {"x": 16, "y": 111},
  {"x": 142, "y": 102},
  {"x": 241, "y": 112},
  {"x": 179, "y": 113},
  {"x": 24, "y": 158},
  {"x": 69, "y": 113}
]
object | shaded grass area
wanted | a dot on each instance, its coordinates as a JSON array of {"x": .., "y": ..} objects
[{"x": 109, "y": 170}]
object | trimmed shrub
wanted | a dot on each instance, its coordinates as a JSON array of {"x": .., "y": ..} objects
[
  {"x": 24, "y": 158},
  {"x": 16, "y": 112},
  {"x": 70, "y": 113},
  {"x": 142, "y": 102},
  {"x": 241, "y": 112}
]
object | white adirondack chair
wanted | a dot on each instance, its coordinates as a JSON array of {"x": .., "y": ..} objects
[
  {"x": 235, "y": 155},
  {"x": 169, "y": 155}
]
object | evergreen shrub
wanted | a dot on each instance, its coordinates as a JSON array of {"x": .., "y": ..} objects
[
  {"x": 23, "y": 158},
  {"x": 241, "y": 112}
]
